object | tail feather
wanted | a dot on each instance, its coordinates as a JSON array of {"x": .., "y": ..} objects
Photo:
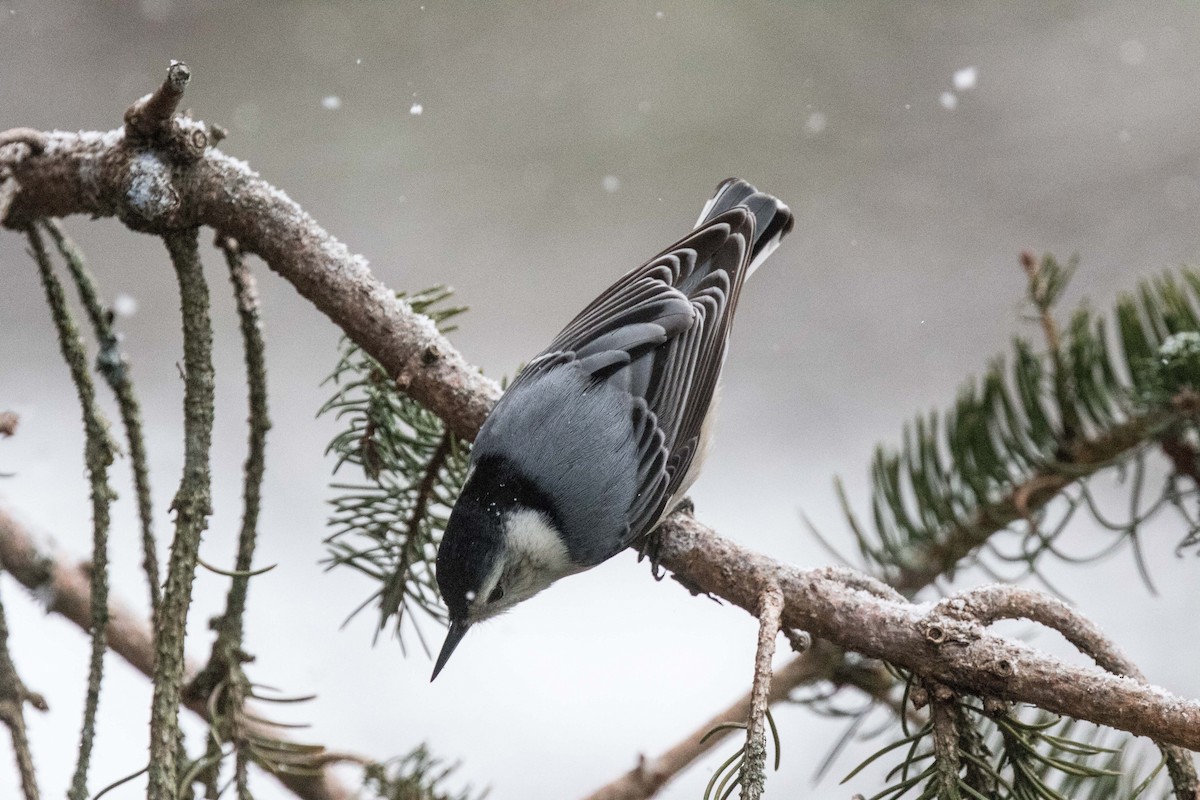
[{"x": 772, "y": 219}]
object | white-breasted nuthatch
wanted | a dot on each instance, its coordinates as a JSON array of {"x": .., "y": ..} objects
[{"x": 600, "y": 435}]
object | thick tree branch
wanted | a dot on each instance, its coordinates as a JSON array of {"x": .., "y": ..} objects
[
  {"x": 959, "y": 654},
  {"x": 989, "y": 604},
  {"x": 67, "y": 590},
  {"x": 103, "y": 174}
]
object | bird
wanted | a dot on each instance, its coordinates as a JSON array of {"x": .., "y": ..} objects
[{"x": 599, "y": 437}]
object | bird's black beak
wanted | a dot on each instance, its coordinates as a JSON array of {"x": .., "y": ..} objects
[{"x": 455, "y": 635}]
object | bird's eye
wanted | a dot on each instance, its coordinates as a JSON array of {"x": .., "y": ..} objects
[{"x": 497, "y": 593}]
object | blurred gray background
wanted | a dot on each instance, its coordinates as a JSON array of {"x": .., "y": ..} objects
[{"x": 556, "y": 146}]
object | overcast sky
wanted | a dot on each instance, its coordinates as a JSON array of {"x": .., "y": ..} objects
[{"x": 528, "y": 154}]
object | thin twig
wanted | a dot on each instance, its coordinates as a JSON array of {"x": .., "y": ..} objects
[
  {"x": 246, "y": 295},
  {"x": 1040, "y": 294},
  {"x": 651, "y": 774},
  {"x": 754, "y": 767},
  {"x": 926, "y": 561},
  {"x": 98, "y": 455},
  {"x": 150, "y": 115},
  {"x": 192, "y": 505},
  {"x": 114, "y": 366},
  {"x": 428, "y": 484},
  {"x": 227, "y": 650},
  {"x": 13, "y": 697},
  {"x": 1184, "y": 457},
  {"x": 970, "y": 741}
]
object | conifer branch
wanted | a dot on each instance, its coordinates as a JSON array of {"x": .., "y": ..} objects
[
  {"x": 98, "y": 455},
  {"x": 389, "y": 525},
  {"x": 192, "y": 505}
]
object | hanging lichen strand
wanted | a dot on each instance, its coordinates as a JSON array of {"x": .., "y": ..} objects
[
  {"x": 1037, "y": 428},
  {"x": 387, "y": 524}
]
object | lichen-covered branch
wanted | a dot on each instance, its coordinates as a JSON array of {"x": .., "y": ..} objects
[
  {"x": 67, "y": 589},
  {"x": 222, "y": 678},
  {"x": 114, "y": 366},
  {"x": 98, "y": 455},
  {"x": 246, "y": 295},
  {"x": 13, "y": 697},
  {"x": 192, "y": 505}
]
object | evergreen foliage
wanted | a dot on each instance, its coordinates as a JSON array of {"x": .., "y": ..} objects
[
  {"x": 387, "y": 522},
  {"x": 1038, "y": 426}
]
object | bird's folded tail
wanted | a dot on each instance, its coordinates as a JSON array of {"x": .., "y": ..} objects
[{"x": 772, "y": 218}]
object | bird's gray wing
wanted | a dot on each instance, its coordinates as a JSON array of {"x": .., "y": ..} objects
[{"x": 658, "y": 334}]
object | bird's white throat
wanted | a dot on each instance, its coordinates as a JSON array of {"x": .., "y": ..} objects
[{"x": 530, "y": 537}]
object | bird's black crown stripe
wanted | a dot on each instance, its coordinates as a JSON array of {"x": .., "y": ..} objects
[{"x": 498, "y": 486}]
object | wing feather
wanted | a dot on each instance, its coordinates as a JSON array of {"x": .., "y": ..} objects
[{"x": 659, "y": 334}]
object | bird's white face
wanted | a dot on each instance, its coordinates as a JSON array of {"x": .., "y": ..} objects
[{"x": 533, "y": 558}]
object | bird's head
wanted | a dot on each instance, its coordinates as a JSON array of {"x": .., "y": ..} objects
[{"x": 501, "y": 546}]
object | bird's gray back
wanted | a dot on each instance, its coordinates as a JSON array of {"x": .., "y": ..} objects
[{"x": 575, "y": 440}]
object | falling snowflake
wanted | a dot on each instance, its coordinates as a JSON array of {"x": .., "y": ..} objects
[
  {"x": 965, "y": 78},
  {"x": 416, "y": 109},
  {"x": 125, "y": 305},
  {"x": 332, "y": 102},
  {"x": 949, "y": 100},
  {"x": 815, "y": 123},
  {"x": 1132, "y": 52},
  {"x": 611, "y": 183}
]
